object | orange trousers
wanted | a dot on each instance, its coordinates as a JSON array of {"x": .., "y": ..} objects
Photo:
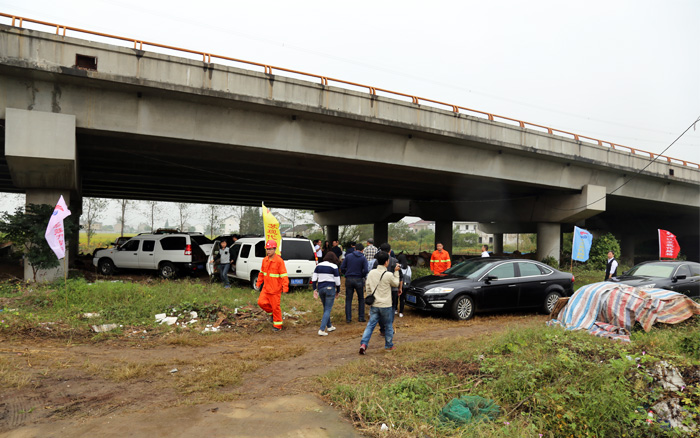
[{"x": 270, "y": 303}]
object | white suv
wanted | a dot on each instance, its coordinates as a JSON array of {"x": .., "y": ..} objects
[
  {"x": 248, "y": 253},
  {"x": 169, "y": 254}
]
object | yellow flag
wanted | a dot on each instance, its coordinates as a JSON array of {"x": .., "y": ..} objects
[{"x": 272, "y": 228}]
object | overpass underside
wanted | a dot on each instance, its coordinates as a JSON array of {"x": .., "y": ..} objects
[{"x": 156, "y": 127}]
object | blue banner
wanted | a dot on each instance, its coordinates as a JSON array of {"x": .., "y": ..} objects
[{"x": 582, "y": 244}]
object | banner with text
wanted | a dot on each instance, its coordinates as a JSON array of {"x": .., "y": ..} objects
[
  {"x": 582, "y": 244},
  {"x": 55, "y": 233},
  {"x": 272, "y": 228},
  {"x": 668, "y": 245}
]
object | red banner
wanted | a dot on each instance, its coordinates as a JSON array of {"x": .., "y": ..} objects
[{"x": 668, "y": 245}]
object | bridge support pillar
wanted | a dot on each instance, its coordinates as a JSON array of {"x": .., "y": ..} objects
[
  {"x": 548, "y": 240},
  {"x": 443, "y": 234},
  {"x": 627, "y": 247},
  {"x": 498, "y": 243},
  {"x": 381, "y": 233},
  {"x": 40, "y": 150},
  {"x": 332, "y": 233}
]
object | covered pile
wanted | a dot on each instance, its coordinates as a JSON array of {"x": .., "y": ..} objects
[{"x": 611, "y": 309}]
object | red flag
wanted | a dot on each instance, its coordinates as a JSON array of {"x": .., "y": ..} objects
[{"x": 668, "y": 245}]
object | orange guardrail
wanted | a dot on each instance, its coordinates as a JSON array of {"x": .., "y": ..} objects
[{"x": 325, "y": 80}]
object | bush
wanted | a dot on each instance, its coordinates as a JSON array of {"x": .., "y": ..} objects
[
  {"x": 600, "y": 248},
  {"x": 551, "y": 261}
]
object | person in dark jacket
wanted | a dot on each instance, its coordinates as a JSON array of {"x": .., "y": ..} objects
[{"x": 354, "y": 268}]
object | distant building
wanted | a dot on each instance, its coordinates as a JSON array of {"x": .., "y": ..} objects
[{"x": 422, "y": 225}]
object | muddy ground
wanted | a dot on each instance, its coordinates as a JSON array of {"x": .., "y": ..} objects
[{"x": 66, "y": 395}]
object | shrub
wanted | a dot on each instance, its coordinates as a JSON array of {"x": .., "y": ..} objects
[
  {"x": 551, "y": 261},
  {"x": 600, "y": 248}
]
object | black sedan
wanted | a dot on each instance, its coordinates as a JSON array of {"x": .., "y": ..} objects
[
  {"x": 678, "y": 276},
  {"x": 488, "y": 284}
]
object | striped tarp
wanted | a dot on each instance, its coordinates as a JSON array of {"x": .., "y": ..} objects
[{"x": 611, "y": 309}]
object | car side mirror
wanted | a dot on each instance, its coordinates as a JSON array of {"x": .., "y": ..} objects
[
  {"x": 679, "y": 277},
  {"x": 490, "y": 278}
]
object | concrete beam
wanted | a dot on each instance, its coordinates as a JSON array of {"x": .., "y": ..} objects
[
  {"x": 392, "y": 212},
  {"x": 570, "y": 208},
  {"x": 40, "y": 149}
]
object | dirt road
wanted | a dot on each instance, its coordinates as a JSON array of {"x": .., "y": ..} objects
[{"x": 67, "y": 398}]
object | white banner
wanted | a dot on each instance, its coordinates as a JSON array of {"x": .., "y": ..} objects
[{"x": 55, "y": 233}]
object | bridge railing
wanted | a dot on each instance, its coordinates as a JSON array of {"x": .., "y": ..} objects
[{"x": 18, "y": 21}]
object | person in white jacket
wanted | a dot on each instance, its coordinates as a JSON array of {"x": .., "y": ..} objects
[{"x": 380, "y": 282}]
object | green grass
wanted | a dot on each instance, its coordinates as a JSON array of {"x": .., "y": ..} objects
[
  {"x": 548, "y": 382},
  {"x": 132, "y": 304}
]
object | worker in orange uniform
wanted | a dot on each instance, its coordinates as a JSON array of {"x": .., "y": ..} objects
[
  {"x": 274, "y": 281},
  {"x": 440, "y": 260}
]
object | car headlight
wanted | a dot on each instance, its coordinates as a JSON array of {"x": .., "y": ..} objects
[{"x": 439, "y": 290}]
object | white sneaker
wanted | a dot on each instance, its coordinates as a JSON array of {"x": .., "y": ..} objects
[
  {"x": 396, "y": 312},
  {"x": 400, "y": 315},
  {"x": 330, "y": 329},
  {"x": 322, "y": 333}
]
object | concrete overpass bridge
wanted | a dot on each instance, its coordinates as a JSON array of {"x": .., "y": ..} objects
[{"x": 81, "y": 118}]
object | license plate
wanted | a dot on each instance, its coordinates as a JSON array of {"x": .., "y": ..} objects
[
  {"x": 296, "y": 281},
  {"x": 411, "y": 298}
]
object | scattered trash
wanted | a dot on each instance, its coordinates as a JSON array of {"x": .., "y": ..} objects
[
  {"x": 90, "y": 315},
  {"x": 384, "y": 427},
  {"x": 469, "y": 408},
  {"x": 671, "y": 412},
  {"x": 104, "y": 328},
  {"x": 173, "y": 371},
  {"x": 161, "y": 318},
  {"x": 668, "y": 376}
]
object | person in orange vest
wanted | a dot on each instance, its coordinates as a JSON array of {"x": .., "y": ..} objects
[
  {"x": 274, "y": 281},
  {"x": 440, "y": 260}
]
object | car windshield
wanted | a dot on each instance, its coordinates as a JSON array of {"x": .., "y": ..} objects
[
  {"x": 470, "y": 268},
  {"x": 652, "y": 270}
]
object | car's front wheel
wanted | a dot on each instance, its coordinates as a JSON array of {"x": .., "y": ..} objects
[
  {"x": 168, "y": 270},
  {"x": 106, "y": 266},
  {"x": 254, "y": 281},
  {"x": 550, "y": 301},
  {"x": 463, "y": 308}
]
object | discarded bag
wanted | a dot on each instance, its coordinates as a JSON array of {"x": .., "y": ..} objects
[{"x": 469, "y": 408}]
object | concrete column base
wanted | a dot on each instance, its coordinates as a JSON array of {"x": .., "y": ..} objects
[
  {"x": 498, "y": 243},
  {"x": 51, "y": 197},
  {"x": 443, "y": 234},
  {"x": 332, "y": 232},
  {"x": 381, "y": 233},
  {"x": 627, "y": 247},
  {"x": 548, "y": 240}
]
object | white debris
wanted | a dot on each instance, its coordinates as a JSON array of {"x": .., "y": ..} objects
[
  {"x": 170, "y": 320},
  {"x": 384, "y": 427},
  {"x": 173, "y": 371},
  {"x": 668, "y": 376},
  {"x": 160, "y": 317},
  {"x": 672, "y": 411},
  {"x": 103, "y": 328},
  {"x": 193, "y": 314},
  {"x": 91, "y": 315}
]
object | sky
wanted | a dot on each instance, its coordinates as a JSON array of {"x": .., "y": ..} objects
[{"x": 621, "y": 71}]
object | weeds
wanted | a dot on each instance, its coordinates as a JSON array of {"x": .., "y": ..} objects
[{"x": 548, "y": 382}]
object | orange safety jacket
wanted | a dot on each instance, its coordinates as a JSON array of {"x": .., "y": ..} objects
[
  {"x": 440, "y": 261},
  {"x": 273, "y": 275}
]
